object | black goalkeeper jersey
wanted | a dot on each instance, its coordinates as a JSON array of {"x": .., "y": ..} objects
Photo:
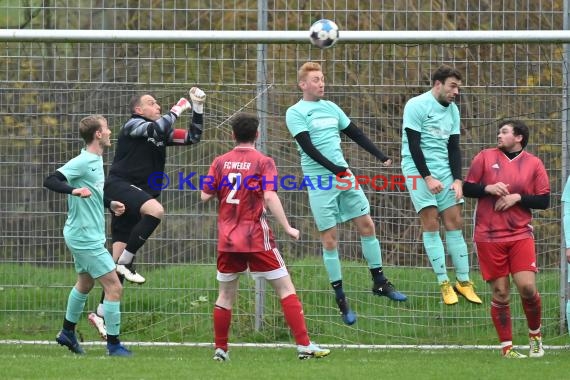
[{"x": 141, "y": 151}]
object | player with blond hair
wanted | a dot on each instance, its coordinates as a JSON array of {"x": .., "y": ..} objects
[
  {"x": 82, "y": 179},
  {"x": 316, "y": 123}
]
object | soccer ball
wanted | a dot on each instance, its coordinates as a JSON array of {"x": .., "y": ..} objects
[{"x": 324, "y": 33}]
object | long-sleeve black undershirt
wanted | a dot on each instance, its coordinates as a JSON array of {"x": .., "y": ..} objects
[
  {"x": 57, "y": 182},
  {"x": 356, "y": 135},
  {"x": 453, "y": 152},
  {"x": 304, "y": 141}
]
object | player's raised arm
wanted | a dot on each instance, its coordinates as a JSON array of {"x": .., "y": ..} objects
[
  {"x": 146, "y": 120},
  {"x": 196, "y": 126}
]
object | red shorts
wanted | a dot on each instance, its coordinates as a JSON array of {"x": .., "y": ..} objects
[
  {"x": 504, "y": 258},
  {"x": 266, "y": 264}
]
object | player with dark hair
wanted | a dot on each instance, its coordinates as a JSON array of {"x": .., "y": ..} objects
[
  {"x": 508, "y": 182},
  {"x": 141, "y": 151},
  {"x": 82, "y": 179},
  {"x": 243, "y": 180},
  {"x": 316, "y": 123},
  {"x": 430, "y": 149}
]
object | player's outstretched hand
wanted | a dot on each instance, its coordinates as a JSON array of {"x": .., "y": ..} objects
[
  {"x": 198, "y": 97},
  {"x": 82, "y": 192},
  {"x": 293, "y": 232},
  {"x": 182, "y": 105}
]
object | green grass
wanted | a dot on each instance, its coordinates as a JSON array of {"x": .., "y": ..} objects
[
  {"x": 175, "y": 305},
  {"x": 55, "y": 362}
]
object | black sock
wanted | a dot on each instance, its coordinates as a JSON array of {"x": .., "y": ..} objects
[
  {"x": 141, "y": 232},
  {"x": 67, "y": 325},
  {"x": 113, "y": 339},
  {"x": 378, "y": 276},
  {"x": 337, "y": 287}
]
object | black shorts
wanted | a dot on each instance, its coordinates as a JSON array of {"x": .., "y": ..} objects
[{"x": 133, "y": 198}]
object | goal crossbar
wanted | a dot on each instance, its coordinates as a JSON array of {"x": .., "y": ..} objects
[{"x": 265, "y": 36}]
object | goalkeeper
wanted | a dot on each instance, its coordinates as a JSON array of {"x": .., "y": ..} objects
[
  {"x": 140, "y": 153},
  {"x": 316, "y": 124}
]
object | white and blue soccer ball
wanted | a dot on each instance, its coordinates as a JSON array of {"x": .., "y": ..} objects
[{"x": 324, "y": 33}]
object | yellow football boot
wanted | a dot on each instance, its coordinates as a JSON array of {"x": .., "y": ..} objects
[
  {"x": 449, "y": 296},
  {"x": 466, "y": 289}
]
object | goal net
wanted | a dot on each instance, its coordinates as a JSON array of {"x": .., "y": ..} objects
[{"x": 47, "y": 87}]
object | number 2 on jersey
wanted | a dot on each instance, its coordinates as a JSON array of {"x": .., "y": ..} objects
[{"x": 235, "y": 179}]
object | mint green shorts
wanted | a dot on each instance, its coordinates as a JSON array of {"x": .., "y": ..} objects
[
  {"x": 336, "y": 202},
  {"x": 422, "y": 197},
  {"x": 95, "y": 261}
]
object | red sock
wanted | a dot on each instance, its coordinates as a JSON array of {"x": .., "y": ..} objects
[
  {"x": 222, "y": 321},
  {"x": 506, "y": 348},
  {"x": 293, "y": 311},
  {"x": 501, "y": 316},
  {"x": 533, "y": 310}
]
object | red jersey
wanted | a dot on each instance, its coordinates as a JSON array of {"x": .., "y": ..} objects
[
  {"x": 525, "y": 174},
  {"x": 239, "y": 178}
]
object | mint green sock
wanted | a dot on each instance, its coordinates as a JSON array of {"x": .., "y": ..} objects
[
  {"x": 75, "y": 305},
  {"x": 371, "y": 251},
  {"x": 436, "y": 254},
  {"x": 332, "y": 264},
  {"x": 112, "y": 310},
  {"x": 457, "y": 249}
]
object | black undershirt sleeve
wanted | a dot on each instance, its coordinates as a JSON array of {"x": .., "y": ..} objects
[
  {"x": 473, "y": 190},
  {"x": 414, "y": 138},
  {"x": 454, "y": 155},
  {"x": 304, "y": 141},
  {"x": 58, "y": 183},
  {"x": 540, "y": 202},
  {"x": 356, "y": 135}
]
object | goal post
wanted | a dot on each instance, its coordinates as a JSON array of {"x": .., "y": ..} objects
[{"x": 50, "y": 78}]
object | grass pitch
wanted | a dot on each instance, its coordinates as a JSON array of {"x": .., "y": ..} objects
[{"x": 56, "y": 362}]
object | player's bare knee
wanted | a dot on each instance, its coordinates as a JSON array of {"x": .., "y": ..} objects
[
  {"x": 330, "y": 244},
  {"x": 154, "y": 208},
  {"x": 527, "y": 291},
  {"x": 501, "y": 294},
  {"x": 431, "y": 225},
  {"x": 429, "y": 218}
]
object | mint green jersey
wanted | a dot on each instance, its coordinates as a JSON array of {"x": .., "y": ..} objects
[
  {"x": 85, "y": 224},
  {"x": 323, "y": 120},
  {"x": 436, "y": 123}
]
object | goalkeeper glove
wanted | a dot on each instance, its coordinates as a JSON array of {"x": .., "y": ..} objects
[
  {"x": 182, "y": 105},
  {"x": 198, "y": 98}
]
